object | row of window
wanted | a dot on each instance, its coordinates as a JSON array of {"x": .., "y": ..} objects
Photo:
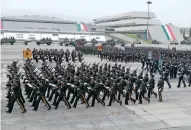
[
  {"x": 42, "y": 28},
  {"x": 105, "y": 21},
  {"x": 31, "y": 36}
]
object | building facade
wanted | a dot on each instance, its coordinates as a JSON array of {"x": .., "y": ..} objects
[
  {"x": 37, "y": 27},
  {"x": 36, "y": 23},
  {"x": 145, "y": 25}
]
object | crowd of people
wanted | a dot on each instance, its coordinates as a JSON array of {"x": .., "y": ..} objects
[{"x": 70, "y": 82}]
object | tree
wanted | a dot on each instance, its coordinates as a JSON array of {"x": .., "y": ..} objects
[{"x": 190, "y": 33}]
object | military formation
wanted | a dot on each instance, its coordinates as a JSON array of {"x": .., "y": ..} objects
[
  {"x": 70, "y": 82},
  {"x": 167, "y": 62},
  {"x": 54, "y": 55}
]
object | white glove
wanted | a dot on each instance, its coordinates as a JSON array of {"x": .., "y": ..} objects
[{"x": 68, "y": 84}]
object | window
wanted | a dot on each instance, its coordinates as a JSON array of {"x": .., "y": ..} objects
[
  {"x": 32, "y": 38},
  {"x": 97, "y": 37},
  {"x": 93, "y": 29},
  {"x": 109, "y": 29},
  {"x": 54, "y": 34},
  {"x": 82, "y": 36},
  {"x": 41, "y": 28},
  {"x": 55, "y": 29},
  {"x": 19, "y": 35},
  {"x": 28, "y": 27}
]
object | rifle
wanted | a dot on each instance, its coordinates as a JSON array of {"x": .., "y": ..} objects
[{"x": 98, "y": 63}]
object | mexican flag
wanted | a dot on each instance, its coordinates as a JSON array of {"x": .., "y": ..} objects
[{"x": 82, "y": 27}]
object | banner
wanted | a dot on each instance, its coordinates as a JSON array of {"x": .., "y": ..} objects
[{"x": 27, "y": 54}]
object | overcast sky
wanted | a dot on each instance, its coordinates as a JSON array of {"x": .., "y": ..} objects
[{"x": 177, "y": 12}]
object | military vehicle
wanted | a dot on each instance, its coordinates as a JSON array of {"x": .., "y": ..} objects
[
  {"x": 155, "y": 42},
  {"x": 27, "y": 42},
  {"x": 66, "y": 41},
  {"x": 94, "y": 41},
  {"x": 72, "y": 42},
  {"x": 111, "y": 42},
  {"x": 81, "y": 41},
  {"x": 47, "y": 41},
  {"x": 6, "y": 40}
]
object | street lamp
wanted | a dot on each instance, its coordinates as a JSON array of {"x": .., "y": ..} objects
[{"x": 148, "y": 2}]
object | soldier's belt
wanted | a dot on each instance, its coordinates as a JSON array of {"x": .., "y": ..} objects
[
  {"x": 53, "y": 85},
  {"x": 89, "y": 88},
  {"x": 29, "y": 85}
]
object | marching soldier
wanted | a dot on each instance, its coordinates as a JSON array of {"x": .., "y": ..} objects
[
  {"x": 181, "y": 78},
  {"x": 151, "y": 86},
  {"x": 16, "y": 96},
  {"x": 129, "y": 89},
  {"x": 142, "y": 91},
  {"x": 41, "y": 97},
  {"x": 160, "y": 88}
]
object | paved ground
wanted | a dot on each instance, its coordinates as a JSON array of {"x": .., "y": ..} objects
[{"x": 174, "y": 113}]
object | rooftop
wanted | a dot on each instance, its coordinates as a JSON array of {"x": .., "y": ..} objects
[
  {"x": 127, "y": 15},
  {"x": 36, "y": 18}
]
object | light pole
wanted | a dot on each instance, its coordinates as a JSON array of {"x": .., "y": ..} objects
[{"x": 148, "y": 2}]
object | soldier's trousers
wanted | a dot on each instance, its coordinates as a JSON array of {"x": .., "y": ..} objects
[
  {"x": 128, "y": 97},
  {"x": 94, "y": 96},
  {"x": 38, "y": 101},
  {"x": 136, "y": 93},
  {"x": 175, "y": 73},
  {"x": 106, "y": 93},
  {"x": 32, "y": 95},
  {"x": 167, "y": 81},
  {"x": 70, "y": 91},
  {"x": 150, "y": 92},
  {"x": 52, "y": 94},
  {"x": 22, "y": 98},
  {"x": 160, "y": 93},
  {"x": 12, "y": 101},
  {"x": 60, "y": 98},
  {"x": 143, "y": 65},
  {"x": 179, "y": 82},
  {"x": 112, "y": 97},
  {"x": 55, "y": 98},
  {"x": 34, "y": 100},
  {"x": 75, "y": 92},
  {"x": 80, "y": 95},
  {"x": 48, "y": 91},
  {"x": 142, "y": 95}
]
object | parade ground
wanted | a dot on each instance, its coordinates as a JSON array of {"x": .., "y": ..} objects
[{"x": 174, "y": 113}]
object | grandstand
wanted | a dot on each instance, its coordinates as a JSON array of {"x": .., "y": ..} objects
[
  {"x": 136, "y": 23},
  {"x": 37, "y": 27}
]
